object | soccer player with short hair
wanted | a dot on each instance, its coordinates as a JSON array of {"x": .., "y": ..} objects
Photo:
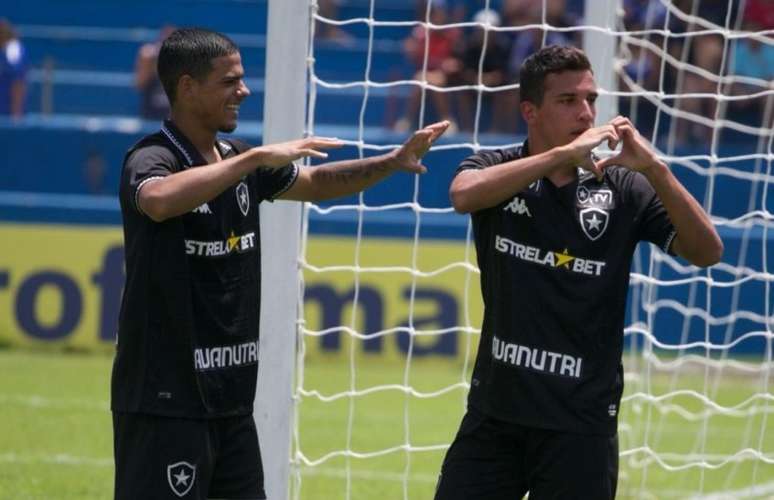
[
  {"x": 185, "y": 371},
  {"x": 555, "y": 230}
]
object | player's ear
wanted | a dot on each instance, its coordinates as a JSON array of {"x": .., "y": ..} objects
[
  {"x": 528, "y": 111},
  {"x": 186, "y": 86}
]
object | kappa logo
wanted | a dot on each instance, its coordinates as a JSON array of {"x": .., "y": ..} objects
[
  {"x": 518, "y": 206},
  {"x": 593, "y": 221},
  {"x": 202, "y": 209},
  {"x": 599, "y": 198},
  {"x": 243, "y": 198},
  {"x": 181, "y": 477}
]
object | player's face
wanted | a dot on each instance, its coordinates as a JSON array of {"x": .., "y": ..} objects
[
  {"x": 568, "y": 108},
  {"x": 219, "y": 96}
]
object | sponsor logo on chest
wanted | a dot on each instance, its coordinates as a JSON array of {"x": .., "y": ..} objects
[
  {"x": 547, "y": 258},
  {"x": 538, "y": 360},
  {"x": 221, "y": 248},
  {"x": 214, "y": 358}
]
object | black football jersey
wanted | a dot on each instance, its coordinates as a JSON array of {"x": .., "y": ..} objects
[
  {"x": 554, "y": 267},
  {"x": 188, "y": 337}
]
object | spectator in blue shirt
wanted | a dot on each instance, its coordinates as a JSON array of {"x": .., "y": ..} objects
[
  {"x": 13, "y": 70},
  {"x": 753, "y": 58}
]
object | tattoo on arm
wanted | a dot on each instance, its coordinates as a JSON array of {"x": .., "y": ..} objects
[{"x": 349, "y": 173}]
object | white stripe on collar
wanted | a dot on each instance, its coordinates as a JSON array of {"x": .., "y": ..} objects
[
  {"x": 174, "y": 141},
  {"x": 668, "y": 242},
  {"x": 226, "y": 147}
]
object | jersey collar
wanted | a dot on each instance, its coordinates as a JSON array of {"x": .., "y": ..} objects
[
  {"x": 524, "y": 151},
  {"x": 224, "y": 148},
  {"x": 182, "y": 144}
]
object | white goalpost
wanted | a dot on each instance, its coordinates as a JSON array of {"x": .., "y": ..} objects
[
  {"x": 371, "y": 305},
  {"x": 284, "y": 118}
]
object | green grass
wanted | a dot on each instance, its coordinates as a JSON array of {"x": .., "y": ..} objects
[
  {"x": 56, "y": 437},
  {"x": 56, "y": 432}
]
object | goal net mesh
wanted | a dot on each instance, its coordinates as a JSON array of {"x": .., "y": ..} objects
[{"x": 390, "y": 311}]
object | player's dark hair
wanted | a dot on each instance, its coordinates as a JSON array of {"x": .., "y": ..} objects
[
  {"x": 551, "y": 59},
  {"x": 190, "y": 51}
]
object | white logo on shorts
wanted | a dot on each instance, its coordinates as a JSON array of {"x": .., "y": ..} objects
[{"x": 181, "y": 477}]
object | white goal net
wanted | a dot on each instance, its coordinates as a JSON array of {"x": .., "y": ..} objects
[{"x": 390, "y": 309}]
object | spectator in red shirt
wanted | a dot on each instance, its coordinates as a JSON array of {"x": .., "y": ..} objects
[{"x": 440, "y": 45}]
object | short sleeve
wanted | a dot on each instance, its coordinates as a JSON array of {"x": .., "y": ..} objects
[
  {"x": 482, "y": 160},
  {"x": 653, "y": 222},
  {"x": 272, "y": 182},
  {"x": 269, "y": 183},
  {"x": 141, "y": 167}
]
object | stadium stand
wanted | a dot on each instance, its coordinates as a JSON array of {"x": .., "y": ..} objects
[{"x": 81, "y": 93}]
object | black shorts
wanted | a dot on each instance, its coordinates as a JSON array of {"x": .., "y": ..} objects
[
  {"x": 495, "y": 460},
  {"x": 172, "y": 458}
]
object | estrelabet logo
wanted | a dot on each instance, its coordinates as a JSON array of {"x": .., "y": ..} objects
[
  {"x": 548, "y": 258},
  {"x": 234, "y": 243}
]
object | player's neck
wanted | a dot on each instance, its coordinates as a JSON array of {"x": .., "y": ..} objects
[
  {"x": 560, "y": 176},
  {"x": 202, "y": 138}
]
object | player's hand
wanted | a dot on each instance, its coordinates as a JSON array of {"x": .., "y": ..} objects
[
  {"x": 581, "y": 147},
  {"x": 636, "y": 153},
  {"x": 408, "y": 156},
  {"x": 281, "y": 154}
]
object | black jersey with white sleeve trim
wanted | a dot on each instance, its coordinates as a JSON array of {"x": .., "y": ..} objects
[
  {"x": 188, "y": 338},
  {"x": 555, "y": 267}
]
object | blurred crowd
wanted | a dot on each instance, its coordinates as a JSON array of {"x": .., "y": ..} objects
[
  {"x": 515, "y": 28},
  {"x": 700, "y": 66},
  {"x": 463, "y": 81},
  {"x": 455, "y": 56}
]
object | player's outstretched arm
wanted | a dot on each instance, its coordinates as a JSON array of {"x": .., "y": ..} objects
[
  {"x": 341, "y": 178},
  {"x": 181, "y": 192},
  {"x": 697, "y": 240}
]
